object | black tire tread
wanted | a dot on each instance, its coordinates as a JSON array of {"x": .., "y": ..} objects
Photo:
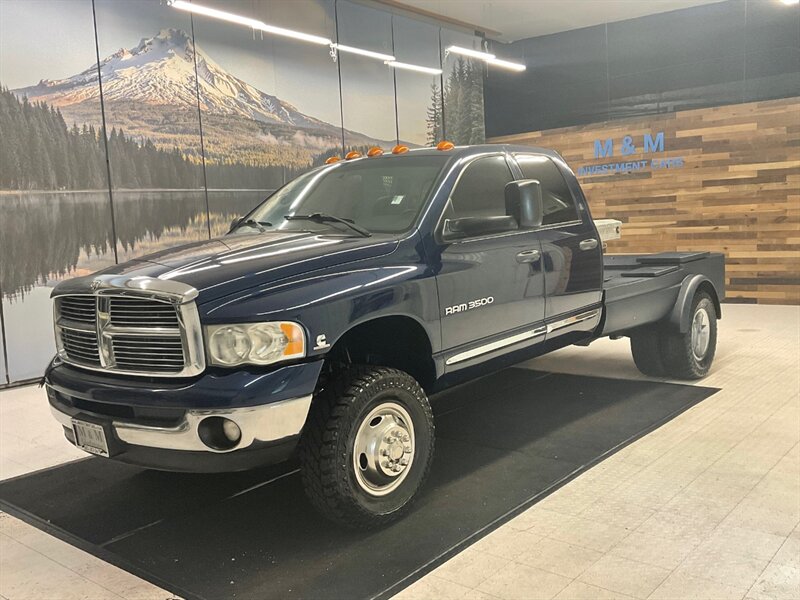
[
  {"x": 678, "y": 358},
  {"x": 646, "y": 351},
  {"x": 325, "y": 481}
]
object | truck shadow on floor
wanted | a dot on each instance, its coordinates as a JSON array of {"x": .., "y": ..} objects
[{"x": 502, "y": 442}]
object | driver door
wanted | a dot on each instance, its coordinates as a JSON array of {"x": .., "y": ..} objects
[{"x": 491, "y": 287}]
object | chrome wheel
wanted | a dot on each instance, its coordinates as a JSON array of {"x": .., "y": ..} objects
[
  {"x": 701, "y": 333},
  {"x": 384, "y": 449}
]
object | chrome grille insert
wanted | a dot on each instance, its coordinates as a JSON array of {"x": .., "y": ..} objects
[
  {"x": 80, "y": 309},
  {"x": 81, "y": 346},
  {"x": 142, "y": 312},
  {"x": 135, "y": 332}
]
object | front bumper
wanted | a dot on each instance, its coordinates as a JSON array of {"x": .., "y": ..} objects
[
  {"x": 269, "y": 435},
  {"x": 158, "y": 426}
]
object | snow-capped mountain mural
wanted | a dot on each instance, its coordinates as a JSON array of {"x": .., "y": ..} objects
[{"x": 154, "y": 83}]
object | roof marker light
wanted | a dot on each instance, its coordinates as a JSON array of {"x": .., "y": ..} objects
[
  {"x": 445, "y": 145},
  {"x": 332, "y": 159},
  {"x": 352, "y": 154},
  {"x": 375, "y": 151},
  {"x": 400, "y": 149}
]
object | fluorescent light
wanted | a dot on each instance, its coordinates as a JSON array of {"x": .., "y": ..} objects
[
  {"x": 214, "y": 13},
  {"x": 362, "y": 52},
  {"x": 470, "y": 52},
  {"x": 790, "y": 2},
  {"x": 506, "y": 64},
  {"x": 298, "y": 35},
  {"x": 247, "y": 21},
  {"x": 409, "y": 67}
]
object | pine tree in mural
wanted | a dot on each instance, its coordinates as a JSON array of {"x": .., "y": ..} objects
[
  {"x": 463, "y": 103},
  {"x": 39, "y": 152},
  {"x": 434, "y": 119}
]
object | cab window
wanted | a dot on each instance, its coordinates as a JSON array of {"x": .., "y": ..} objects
[
  {"x": 480, "y": 191},
  {"x": 558, "y": 203}
]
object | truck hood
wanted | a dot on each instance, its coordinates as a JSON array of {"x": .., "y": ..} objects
[{"x": 233, "y": 263}]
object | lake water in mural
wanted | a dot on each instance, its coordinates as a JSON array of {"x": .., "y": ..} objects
[{"x": 50, "y": 236}]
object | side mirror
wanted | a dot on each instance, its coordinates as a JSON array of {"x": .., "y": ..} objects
[
  {"x": 456, "y": 229},
  {"x": 524, "y": 202},
  {"x": 235, "y": 224}
]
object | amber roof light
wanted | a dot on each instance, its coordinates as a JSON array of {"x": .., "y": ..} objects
[
  {"x": 445, "y": 145},
  {"x": 400, "y": 149},
  {"x": 375, "y": 151},
  {"x": 352, "y": 154},
  {"x": 332, "y": 160}
]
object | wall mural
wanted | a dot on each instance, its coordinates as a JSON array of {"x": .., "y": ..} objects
[
  {"x": 462, "y": 92},
  {"x": 202, "y": 120}
]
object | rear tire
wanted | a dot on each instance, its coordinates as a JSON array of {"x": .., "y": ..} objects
[
  {"x": 689, "y": 355},
  {"x": 661, "y": 350},
  {"x": 367, "y": 447},
  {"x": 646, "y": 350}
]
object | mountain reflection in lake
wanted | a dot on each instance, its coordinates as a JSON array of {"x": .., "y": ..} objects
[{"x": 49, "y": 236}]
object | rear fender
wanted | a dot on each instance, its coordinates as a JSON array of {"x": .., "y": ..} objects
[{"x": 681, "y": 313}]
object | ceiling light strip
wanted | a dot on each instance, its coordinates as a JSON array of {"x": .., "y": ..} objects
[
  {"x": 506, "y": 64},
  {"x": 410, "y": 67},
  {"x": 362, "y": 52},
  {"x": 388, "y": 59},
  {"x": 470, "y": 52},
  {"x": 248, "y": 22}
]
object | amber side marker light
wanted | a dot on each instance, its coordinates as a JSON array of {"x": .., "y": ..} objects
[
  {"x": 332, "y": 160},
  {"x": 445, "y": 145},
  {"x": 352, "y": 154},
  {"x": 399, "y": 149},
  {"x": 375, "y": 151}
]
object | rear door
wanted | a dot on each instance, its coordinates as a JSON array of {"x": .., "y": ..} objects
[
  {"x": 571, "y": 250},
  {"x": 491, "y": 288}
]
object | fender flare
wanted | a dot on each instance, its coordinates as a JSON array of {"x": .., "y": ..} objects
[{"x": 681, "y": 311}]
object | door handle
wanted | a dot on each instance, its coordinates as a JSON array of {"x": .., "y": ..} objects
[
  {"x": 528, "y": 256},
  {"x": 589, "y": 244}
]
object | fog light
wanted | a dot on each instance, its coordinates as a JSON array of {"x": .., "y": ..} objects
[
  {"x": 231, "y": 430},
  {"x": 219, "y": 433}
]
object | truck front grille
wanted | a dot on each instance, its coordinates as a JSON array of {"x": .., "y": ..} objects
[{"x": 128, "y": 334}]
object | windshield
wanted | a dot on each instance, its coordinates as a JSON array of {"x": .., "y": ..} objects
[{"x": 381, "y": 195}]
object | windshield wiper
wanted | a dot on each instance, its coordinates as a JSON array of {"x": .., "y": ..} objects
[
  {"x": 260, "y": 225},
  {"x": 326, "y": 218}
]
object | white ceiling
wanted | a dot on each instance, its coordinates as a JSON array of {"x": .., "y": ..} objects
[{"x": 518, "y": 19}]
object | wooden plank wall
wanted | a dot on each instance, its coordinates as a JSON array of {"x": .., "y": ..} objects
[{"x": 738, "y": 192}]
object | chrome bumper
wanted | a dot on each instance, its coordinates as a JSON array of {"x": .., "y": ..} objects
[{"x": 265, "y": 423}]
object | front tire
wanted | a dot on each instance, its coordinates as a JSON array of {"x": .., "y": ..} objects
[{"x": 367, "y": 446}]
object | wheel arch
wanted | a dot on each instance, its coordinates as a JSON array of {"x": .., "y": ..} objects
[
  {"x": 681, "y": 311},
  {"x": 395, "y": 340}
]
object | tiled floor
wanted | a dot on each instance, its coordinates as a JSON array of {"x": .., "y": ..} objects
[{"x": 707, "y": 506}]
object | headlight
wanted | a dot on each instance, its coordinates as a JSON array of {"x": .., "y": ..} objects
[{"x": 254, "y": 343}]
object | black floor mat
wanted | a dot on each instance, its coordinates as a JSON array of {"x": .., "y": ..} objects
[{"x": 502, "y": 443}]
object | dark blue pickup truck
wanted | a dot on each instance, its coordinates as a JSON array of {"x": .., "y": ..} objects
[{"x": 320, "y": 323}]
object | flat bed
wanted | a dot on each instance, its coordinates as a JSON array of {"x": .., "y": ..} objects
[{"x": 642, "y": 289}]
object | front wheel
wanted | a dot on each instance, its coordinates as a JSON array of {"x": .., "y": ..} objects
[{"x": 367, "y": 446}]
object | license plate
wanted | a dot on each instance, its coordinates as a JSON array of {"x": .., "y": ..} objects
[{"x": 90, "y": 437}]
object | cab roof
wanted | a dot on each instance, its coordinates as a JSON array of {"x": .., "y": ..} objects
[{"x": 460, "y": 152}]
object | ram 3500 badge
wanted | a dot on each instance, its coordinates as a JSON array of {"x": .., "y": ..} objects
[{"x": 320, "y": 324}]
